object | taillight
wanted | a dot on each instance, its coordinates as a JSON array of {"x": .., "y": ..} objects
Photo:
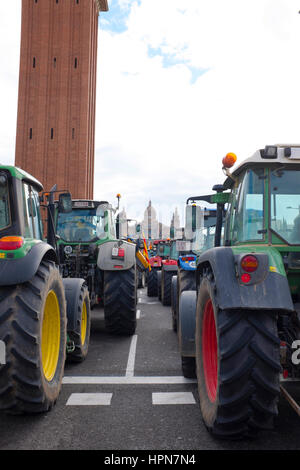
[
  {"x": 245, "y": 278},
  {"x": 188, "y": 258},
  {"x": 118, "y": 253},
  {"x": 249, "y": 263},
  {"x": 11, "y": 243}
]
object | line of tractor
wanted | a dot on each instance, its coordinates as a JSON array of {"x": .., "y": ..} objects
[
  {"x": 232, "y": 283},
  {"x": 234, "y": 291}
]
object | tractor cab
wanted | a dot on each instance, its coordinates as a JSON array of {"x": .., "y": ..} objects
[
  {"x": 87, "y": 222},
  {"x": 264, "y": 207},
  {"x": 19, "y": 207}
]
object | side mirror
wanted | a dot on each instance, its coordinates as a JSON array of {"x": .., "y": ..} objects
[
  {"x": 194, "y": 220},
  {"x": 138, "y": 228},
  {"x": 65, "y": 203}
]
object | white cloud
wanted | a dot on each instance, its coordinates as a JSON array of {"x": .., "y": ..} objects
[
  {"x": 181, "y": 130},
  {"x": 160, "y": 133}
]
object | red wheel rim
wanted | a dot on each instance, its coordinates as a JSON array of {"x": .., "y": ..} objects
[{"x": 210, "y": 351}]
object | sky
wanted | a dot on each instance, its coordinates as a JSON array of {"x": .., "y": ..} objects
[{"x": 179, "y": 85}]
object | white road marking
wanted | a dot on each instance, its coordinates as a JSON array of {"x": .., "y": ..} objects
[
  {"x": 127, "y": 380},
  {"x": 175, "y": 398},
  {"x": 151, "y": 303},
  {"x": 138, "y": 314},
  {"x": 131, "y": 357},
  {"x": 90, "y": 399},
  {"x": 139, "y": 300}
]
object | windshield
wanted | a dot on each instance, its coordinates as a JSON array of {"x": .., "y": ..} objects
[
  {"x": 163, "y": 249},
  {"x": 173, "y": 251},
  {"x": 82, "y": 225},
  {"x": 248, "y": 211},
  {"x": 4, "y": 203},
  {"x": 285, "y": 204}
]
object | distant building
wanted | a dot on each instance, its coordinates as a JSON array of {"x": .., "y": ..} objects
[
  {"x": 152, "y": 228},
  {"x": 175, "y": 229},
  {"x": 55, "y": 136}
]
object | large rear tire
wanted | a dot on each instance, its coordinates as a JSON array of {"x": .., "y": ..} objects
[
  {"x": 166, "y": 283},
  {"x": 238, "y": 366},
  {"x": 120, "y": 301},
  {"x": 173, "y": 302},
  {"x": 152, "y": 283},
  {"x": 33, "y": 326},
  {"x": 186, "y": 280}
]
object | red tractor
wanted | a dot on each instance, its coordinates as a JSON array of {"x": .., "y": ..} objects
[
  {"x": 168, "y": 270},
  {"x": 161, "y": 251}
]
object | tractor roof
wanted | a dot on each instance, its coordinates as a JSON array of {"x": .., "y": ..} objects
[
  {"x": 23, "y": 175},
  {"x": 272, "y": 154}
]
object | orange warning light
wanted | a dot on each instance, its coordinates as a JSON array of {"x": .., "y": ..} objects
[{"x": 229, "y": 160}]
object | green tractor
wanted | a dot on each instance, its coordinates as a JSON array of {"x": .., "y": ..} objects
[
  {"x": 88, "y": 247},
  {"x": 242, "y": 323},
  {"x": 38, "y": 311}
]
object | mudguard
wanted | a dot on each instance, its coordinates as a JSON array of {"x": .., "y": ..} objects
[
  {"x": 270, "y": 289},
  {"x": 187, "y": 322},
  {"x": 72, "y": 292},
  {"x": 105, "y": 262},
  {"x": 17, "y": 271}
]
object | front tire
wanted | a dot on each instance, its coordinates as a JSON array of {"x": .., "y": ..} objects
[
  {"x": 159, "y": 285},
  {"x": 238, "y": 366},
  {"x": 79, "y": 318}
]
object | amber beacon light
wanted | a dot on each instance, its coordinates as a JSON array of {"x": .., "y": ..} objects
[{"x": 229, "y": 160}]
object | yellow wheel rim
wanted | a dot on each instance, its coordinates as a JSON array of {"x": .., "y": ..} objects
[
  {"x": 83, "y": 323},
  {"x": 50, "y": 335}
]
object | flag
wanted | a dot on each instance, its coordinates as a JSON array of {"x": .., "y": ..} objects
[{"x": 146, "y": 254}]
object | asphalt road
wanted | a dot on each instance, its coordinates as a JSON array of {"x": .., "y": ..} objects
[{"x": 129, "y": 394}]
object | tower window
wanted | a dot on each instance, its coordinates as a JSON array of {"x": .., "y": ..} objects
[
  {"x": 33, "y": 62},
  {"x": 30, "y": 133},
  {"x": 51, "y": 133},
  {"x": 75, "y": 63},
  {"x": 73, "y": 133},
  {"x": 54, "y": 62}
]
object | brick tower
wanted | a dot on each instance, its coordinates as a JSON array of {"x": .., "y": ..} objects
[{"x": 57, "y": 91}]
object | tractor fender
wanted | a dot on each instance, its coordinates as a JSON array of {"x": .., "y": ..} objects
[
  {"x": 267, "y": 290},
  {"x": 187, "y": 322},
  {"x": 105, "y": 262},
  {"x": 20, "y": 270},
  {"x": 72, "y": 292}
]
